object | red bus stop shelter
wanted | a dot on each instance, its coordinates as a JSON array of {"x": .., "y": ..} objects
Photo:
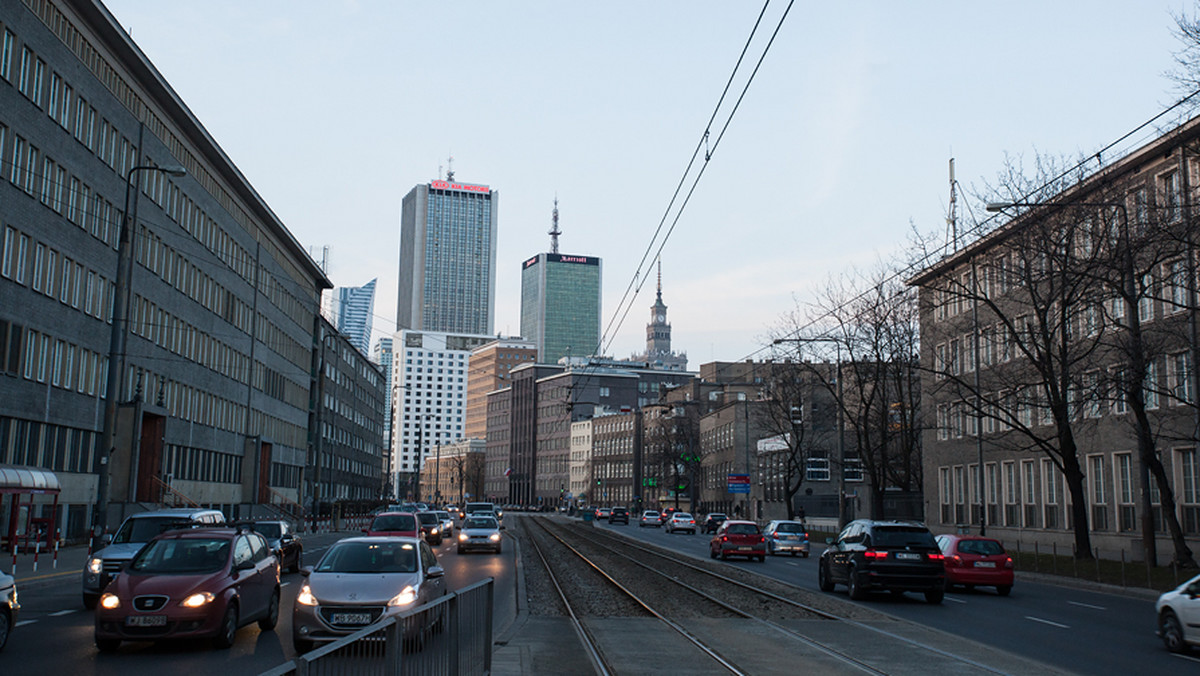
[{"x": 23, "y": 483}]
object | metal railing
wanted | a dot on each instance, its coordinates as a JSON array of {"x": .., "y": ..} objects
[
  {"x": 451, "y": 636},
  {"x": 169, "y": 496}
]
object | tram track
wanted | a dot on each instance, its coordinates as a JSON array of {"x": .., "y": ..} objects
[{"x": 769, "y": 610}]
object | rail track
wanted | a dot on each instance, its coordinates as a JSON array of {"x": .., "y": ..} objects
[{"x": 767, "y": 612}]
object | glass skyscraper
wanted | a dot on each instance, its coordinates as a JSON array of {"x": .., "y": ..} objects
[
  {"x": 448, "y": 258},
  {"x": 355, "y": 308},
  {"x": 560, "y": 305}
]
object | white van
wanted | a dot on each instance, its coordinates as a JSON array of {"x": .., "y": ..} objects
[{"x": 137, "y": 530}]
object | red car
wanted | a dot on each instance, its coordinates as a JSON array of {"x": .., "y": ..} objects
[
  {"x": 976, "y": 561},
  {"x": 199, "y": 583},
  {"x": 738, "y": 538},
  {"x": 399, "y": 524}
]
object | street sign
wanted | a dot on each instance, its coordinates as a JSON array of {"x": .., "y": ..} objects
[{"x": 739, "y": 483}]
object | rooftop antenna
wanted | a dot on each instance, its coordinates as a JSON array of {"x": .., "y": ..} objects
[
  {"x": 660, "y": 279},
  {"x": 450, "y": 169},
  {"x": 554, "y": 231},
  {"x": 952, "y": 216}
]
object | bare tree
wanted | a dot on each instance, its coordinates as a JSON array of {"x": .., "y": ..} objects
[{"x": 792, "y": 392}]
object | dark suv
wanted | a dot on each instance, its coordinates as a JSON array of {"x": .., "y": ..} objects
[
  {"x": 898, "y": 556},
  {"x": 619, "y": 515}
]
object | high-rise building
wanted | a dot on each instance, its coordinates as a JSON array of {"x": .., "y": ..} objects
[
  {"x": 560, "y": 302},
  {"x": 382, "y": 355},
  {"x": 355, "y": 307},
  {"x": 429, "y": 383},
  {"x": 448, "y": 258},
  {"x": 658, "y": 337}
]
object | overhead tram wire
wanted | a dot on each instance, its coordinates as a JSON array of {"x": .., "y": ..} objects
[
  {"x": 638, "y": 280},
  {"x": 978, "y": 229}
]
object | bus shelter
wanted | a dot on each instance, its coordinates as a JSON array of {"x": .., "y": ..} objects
[{"x": 22, "y": 527}]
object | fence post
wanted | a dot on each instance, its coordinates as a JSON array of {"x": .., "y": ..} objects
[
  {"x": 451, "y": 617},
  {"x": 1097, "y": 564},
  {"x": 1035, "y": 557},
  {"x": 1122, "y": 567}
]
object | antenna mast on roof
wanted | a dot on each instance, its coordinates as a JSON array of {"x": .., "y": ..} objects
[
  {"x": 952, "y": 216},
  {"x": 450, "y": 169},
  {"x": 554, "y": 231}
]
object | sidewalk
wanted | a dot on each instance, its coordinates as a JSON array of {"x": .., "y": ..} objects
[{"x": 70, "y": 560}]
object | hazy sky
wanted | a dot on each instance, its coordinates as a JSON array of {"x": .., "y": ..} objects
[{"x": 334, "y": 110}]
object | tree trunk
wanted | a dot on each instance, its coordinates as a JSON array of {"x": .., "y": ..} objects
[{"x": 1079, "y": 504}]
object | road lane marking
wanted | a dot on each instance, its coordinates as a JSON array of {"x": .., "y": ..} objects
[
  {"x": 1052, "y": 624},
  {"x": 951, "y": 598},
  {"x": 1185, "y": 657},
  {"x": 22, "y": 623},
  {"x": 1086, "y": 605},
  {"x": 63, "y": 612}
]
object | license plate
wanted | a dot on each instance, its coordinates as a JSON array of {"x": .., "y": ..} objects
[
  {"x": 744, "y": 549},
  {"x": 985, "y": 564},
  {"x": 146, "y": 621},
  {"x": 908, "y": 556},
  {"x": 351, "y": 618}
]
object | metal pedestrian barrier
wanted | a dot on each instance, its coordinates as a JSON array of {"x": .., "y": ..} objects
[{"x": 448, "y": 637}]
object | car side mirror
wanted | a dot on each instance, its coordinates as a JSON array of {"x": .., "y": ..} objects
[
  {"x": 244, "y": 565},
  {"x": 435, "y": 571},
  {"x": 306, "y": 571},
  {"x": 106, "y": 539},
  {"x": 366, "y": 530}
]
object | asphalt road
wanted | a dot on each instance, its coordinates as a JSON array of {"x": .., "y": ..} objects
[
  {"x": 53, "y": 636},
  {"x": 1080, "y": 630}
]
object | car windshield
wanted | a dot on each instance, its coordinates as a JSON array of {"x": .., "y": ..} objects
[
  {"x": 980, "y": 547},
  {"x": 716, "y": 517},
  {"x": 480, "y": 522},
  {"x": 271, "y": 531},
  {"x": 428, "y": 518},
  {"x": 790, "y": 527},
  {"x": 182, "y": 556},
  {"x": 444, "y": 516},
  {"x": 902, "y": 536},
  {"x": 369, "y": 557},
  {"x": 145, "y": 530},
  {"x": 650, "y": 514},
  {"x": 742, "y": 529},
  {"x": 394, "y": 522}
]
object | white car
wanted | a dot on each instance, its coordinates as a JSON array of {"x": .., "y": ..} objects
[
  {"x": 1179, "y": 616},
  {"x": 480, "y": 531},
  {"x": 681, "y": 521}
]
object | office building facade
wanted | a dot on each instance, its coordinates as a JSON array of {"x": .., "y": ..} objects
[
  {"x": 448, "y": 258},
  {"x": 214, "y": 394},
  {"x": 560, "y": 305},
  {"x": 355, "y": 310},
  {"x": 489, "y": 369}
]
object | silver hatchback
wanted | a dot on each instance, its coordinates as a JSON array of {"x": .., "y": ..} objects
[
  {"x": 359, "y": 582},
  {"x": 786, "y": 537}
]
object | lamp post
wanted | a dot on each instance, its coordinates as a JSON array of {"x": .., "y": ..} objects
[
  {"x": 116, "y": 346},
  {"x": 1130, "y": 293},
  {"x": 841, "y": 445}
]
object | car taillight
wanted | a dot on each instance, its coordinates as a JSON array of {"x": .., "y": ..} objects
[
  {"x": 761, "y": 539},
  {"x": 954, "y": 560},
  {"x": 874, "y": 554},
  {"x": 724, "y": 538},
  {"x": 936, "y": 557},
  {"x": 1008, "y": 562}
]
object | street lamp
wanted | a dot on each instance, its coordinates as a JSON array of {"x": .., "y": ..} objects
[
  {"x": 116, "y": 346},
  {"x": 841, "y": 445}
]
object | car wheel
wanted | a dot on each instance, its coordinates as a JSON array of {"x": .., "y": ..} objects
[
  {"x": 90, "y": 601},
  {"x": 295, "y": 567},
  {"x": 458, "y": 550},
  {"x": 1171, "y": 632},
  {"x": 1004, "y": 589},
  {"x": 228, "y": 629},
  {"x": 724, "y": 556},
  {"x": 268, "y": 623},
  {"x": 712, "y": 553},
  {"x": 824, "y": 582},
  {"x": 853, "y": 587},
  {"x": 499, "y": 548},
  {"x": 108, "y": 645},
  {"x": 5, "y": 627},
  {"x": 762, "y": 558},
  {"x": 935, "y": 596}
]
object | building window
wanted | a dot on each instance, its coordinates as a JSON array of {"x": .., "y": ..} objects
[
  {"x": 1012, "y": 496},
  {"x": 1029, "y": 480},
  {"x": 1097, "y": 492},
  {"x": 1051, "y": 488},
  {"x": 1180, "y": 376},
  {"x": 1123, "y": 480},
  {"x": 1190, "y": 490}
]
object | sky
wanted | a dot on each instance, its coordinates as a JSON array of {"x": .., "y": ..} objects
[{"x": 335, "y": 109}]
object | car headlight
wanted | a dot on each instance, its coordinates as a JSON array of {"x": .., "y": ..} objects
[
  {"x": 110, "y": 602},
  {"x": 462, "y": 537},
  {"x": 433, "y": 531},
  {"x": 494, "y": 537},
  {"x": 197, "y": 600},
  {"x": 95, "y": 565},
  {"x": 305, "y": 597},
  {"x": 404, "y": 598}
]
